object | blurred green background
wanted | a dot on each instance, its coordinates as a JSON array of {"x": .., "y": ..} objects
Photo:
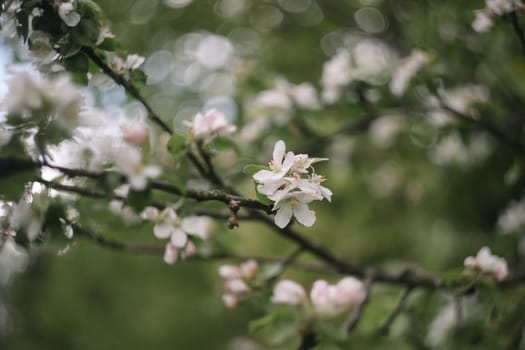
[{"x": 392, "y": 204}]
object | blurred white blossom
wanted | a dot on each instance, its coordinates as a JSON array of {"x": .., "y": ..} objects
[
  {"x": 66, "y": 11},
  {"x": 406, "y": 71},
  {"x": 326, "y": 300},
  {"x": 237, "y": 281},
  {"x": 488, "y": 263},
  {"x": 205, "y": 126},
  {"x": 512, "y": 220}
]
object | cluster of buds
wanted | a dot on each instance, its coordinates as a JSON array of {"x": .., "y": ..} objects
[
  {"x": 238, "y": 282},
  {"x": 168, "y": 225},
  {"x": 487, "y": 263},
  {"x": 291, "y": 183},
  {"x": 326, "y": 300}
]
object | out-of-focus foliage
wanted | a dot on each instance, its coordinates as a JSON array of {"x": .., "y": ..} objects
[{"x": 412, "y": 185}]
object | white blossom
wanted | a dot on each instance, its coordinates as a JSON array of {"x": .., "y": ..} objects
[
  {"x": 368, "y": 60},
  {"x": 8, "y": 20},
  {"x": 31, "y": 97},
  {"x": 404, "y": 72},
  {"x": 40, "y": 48},
  {"x": 331, "y": 300},
  {"x": 5, "y": 136},
  {"x": 13, "y": 260},
  {"x": 291, "y": 184},
  {"x": 512, "y": 220},
  {"x": 66, "y": 11},
  {"x": 168, "y": 225},
  {"x": 482, "y": 21},
  {"x": 238, "y": 281},
  {"x": 337, "y": 73},
  {"x": 26, "y": 216},
  {"x": 486, "y": 262},
  {"x": 135, "y": 132},
  {"x": 205, "y": 126},
  {"x": 326, "y": 300},
  {"x": 288, "y": 292}
]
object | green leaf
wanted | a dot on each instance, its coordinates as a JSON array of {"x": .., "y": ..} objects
[
  {"x": 222, "y": 143},
  {"x": 138, "y": 200},
  {"x": 52, "y": 223},
  {"x": 109, "y": 44},
  {"x": 13, "y": 185},
  {"x": 177, "y": 145},
  {"x": 86, "y": 32},
  {"x": 262, "y": 198},
  {"x": 138, "y": 77},
  {"x": 78, "y": 63},
  {"x": 251, "y": 169},
  {"x": 260, "y": 323}
]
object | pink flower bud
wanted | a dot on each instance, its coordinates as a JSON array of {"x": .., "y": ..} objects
[
  {"x": 288, "y": 292},
  {"x": 170, "y": 254},
  {"x": 237, "y": 286},
  {"x": 229, "y": 272},
  {"x": 230, "y": 300},
  {"x": 249, "y": 269},
  {"x": 135, "y": 133}
]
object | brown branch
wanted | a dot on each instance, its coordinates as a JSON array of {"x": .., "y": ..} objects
[
  {"x": 128, "y": 86},
  {"x": 483, "y": 125},
  {"x": 517, "y": 29}
]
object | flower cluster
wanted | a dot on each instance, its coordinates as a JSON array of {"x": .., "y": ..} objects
[
  {"x": 167, "y": 224},
  {"x": 205, "y": 126},
  {"x": 327, "y": 300},
  {"x": 404, "y": 72},
  {"x": 368, "y": 61},
  {"x": 488, "y": 263},
  {"x": 291, "y": 183},
  {"x": 44, "y": 102},
  {"x": 237, "y": 281},
  {"x": 285, "y": 95},
  {"x": 483, "y": 20}
]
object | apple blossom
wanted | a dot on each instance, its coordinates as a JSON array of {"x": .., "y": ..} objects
[
  {"x": 13, "y": 260},
  {"x": 288, "y": 292},
  {"x": 512, "y": 220},
  {"x": 482, "y": 21},
  {"x": 488, "y": 263},
  {"x": 168, "y": 225},
  {"x": 404, "y": 72},
  {"x": 205, "y": 126},
  {"x": 66, "y": 11},
  {"x": 135, "y": 133},
  {"x": 291, "y": 184},
  {"x": 326, "y": 300},
  {"x": 331, "y": 300},
  {"x": 238, "y": 281}
]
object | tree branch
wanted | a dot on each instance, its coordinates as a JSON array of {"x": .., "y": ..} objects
[{"x": 128, "y": 86}]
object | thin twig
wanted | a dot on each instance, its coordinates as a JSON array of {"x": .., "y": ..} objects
[
  {"x": 385, "y": 327},
  {"x": 130, "y": 88}
]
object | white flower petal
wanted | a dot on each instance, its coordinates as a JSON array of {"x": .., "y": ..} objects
[
  {"x": 304, "y": 215},
  {"x": 283, "y": 215},
  {"x": 162, "y": 230},
  {"x": 179, "y": 238}
]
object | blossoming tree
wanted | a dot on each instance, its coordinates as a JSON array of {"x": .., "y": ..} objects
[{"x": 388, "y": 175}]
